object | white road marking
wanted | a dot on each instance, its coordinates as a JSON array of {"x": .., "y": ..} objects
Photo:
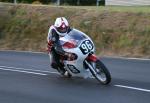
[
  {"x": 128, "y": 87},
  {"x": 127, "y": 58},
  {"x": 37, "y": 73},
  {"x": 24, "y": 51},
  {"x": 23, "y": 71}
]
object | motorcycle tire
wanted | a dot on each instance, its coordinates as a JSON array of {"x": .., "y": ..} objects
[{"x": 103, "y": 75}]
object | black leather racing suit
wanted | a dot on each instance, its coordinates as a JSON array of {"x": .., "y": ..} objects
[{"x": 57, "y": 50}]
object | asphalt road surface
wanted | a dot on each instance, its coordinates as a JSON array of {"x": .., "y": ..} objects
[{"x": 27, "y": 78}]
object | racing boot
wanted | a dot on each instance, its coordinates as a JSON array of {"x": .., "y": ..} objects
[
  {"x": 59, "y": 68},
  {"x": 67, "y": 74}
]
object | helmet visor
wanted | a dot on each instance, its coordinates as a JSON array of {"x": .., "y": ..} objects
[{"x": 62, "y": 30}]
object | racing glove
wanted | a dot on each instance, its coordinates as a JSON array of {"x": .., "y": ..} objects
[{"x": 49, "y": 46}]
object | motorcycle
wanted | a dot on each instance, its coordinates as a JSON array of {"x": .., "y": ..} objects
[{"x": 85, "y": 64}]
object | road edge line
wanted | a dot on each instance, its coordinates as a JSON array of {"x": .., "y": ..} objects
[
  {"x": 133, "y": 88},
  {"x": 22, "y": 71},
  {"x": 114, "y": 57}
]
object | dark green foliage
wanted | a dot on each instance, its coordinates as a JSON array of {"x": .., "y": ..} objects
[
  {"x": 102, "y": 2},
  {"x": 6, "y": 0},
  {"x": 62, "y": 2}
]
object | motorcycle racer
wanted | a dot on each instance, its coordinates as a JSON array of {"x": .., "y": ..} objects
[
  {"x": 72, "y": 53},
  {"x": 60, "y": 29}
]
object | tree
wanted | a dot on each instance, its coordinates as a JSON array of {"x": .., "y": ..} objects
[{"x": 78, "y": 2}]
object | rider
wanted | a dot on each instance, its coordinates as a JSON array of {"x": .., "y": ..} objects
[{"x": 60, "y": 29}]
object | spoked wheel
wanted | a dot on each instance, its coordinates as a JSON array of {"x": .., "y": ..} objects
[{"x": 102, "y": 74}]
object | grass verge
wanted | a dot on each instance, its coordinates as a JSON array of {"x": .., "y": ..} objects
[{"x": 123, "y": 31}]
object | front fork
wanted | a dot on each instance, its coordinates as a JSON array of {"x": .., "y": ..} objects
[
  {"x": 92, "y": 67},
  {"x": 91, "y": 63}
]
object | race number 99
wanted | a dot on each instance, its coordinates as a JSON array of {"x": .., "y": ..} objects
[{"x": 86, "y": 46}]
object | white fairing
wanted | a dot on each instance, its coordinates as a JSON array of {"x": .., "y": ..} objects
[{"x": 78, "y": 63}]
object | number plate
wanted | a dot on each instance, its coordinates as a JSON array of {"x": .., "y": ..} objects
[{"x": 86, "y": 46}]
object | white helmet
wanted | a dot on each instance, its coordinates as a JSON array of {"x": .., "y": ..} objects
[{"x": 61, "y": 25}]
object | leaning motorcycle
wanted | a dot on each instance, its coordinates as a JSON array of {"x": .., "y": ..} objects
[{"x": 85, "y": 64}]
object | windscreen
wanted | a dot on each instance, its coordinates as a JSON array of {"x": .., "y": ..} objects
[{"x": 74, "y": 36}]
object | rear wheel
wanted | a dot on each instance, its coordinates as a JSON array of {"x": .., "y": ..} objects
[{"x": 102, "y": 73}]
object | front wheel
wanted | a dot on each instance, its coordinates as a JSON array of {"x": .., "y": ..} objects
[{"x": 101, "y": 73}]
